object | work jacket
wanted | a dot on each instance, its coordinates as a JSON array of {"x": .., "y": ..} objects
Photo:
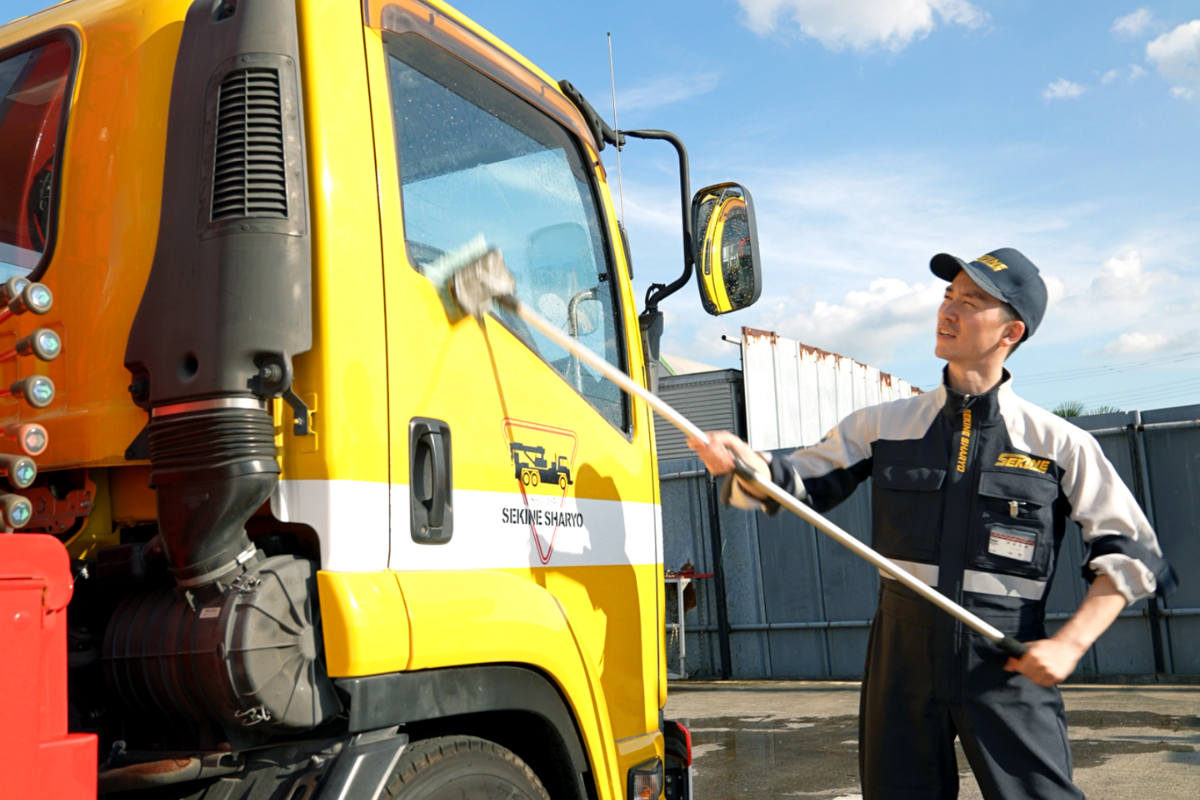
[{"x": 972, "y": 493}]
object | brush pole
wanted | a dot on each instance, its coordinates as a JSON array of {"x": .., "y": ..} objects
[{"x": 615, "y": 375}]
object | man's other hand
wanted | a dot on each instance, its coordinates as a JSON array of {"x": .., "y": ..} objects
[
  {"x": 1047, "y": 662},
  {"x": 718, "y": 454}
]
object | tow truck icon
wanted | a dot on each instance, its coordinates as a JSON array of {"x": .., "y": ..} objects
[{"x": 530, "y": 466}]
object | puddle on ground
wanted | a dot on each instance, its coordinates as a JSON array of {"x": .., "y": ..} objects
[
  {"x": 1131, "y": 719},
  {"x": 776, "y": 757},
  {"x": 1097, "y": 736},
  {"x": 772, "y": 757}
]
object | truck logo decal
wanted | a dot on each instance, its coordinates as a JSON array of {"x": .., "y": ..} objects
[{"x": 542, "y": 460}]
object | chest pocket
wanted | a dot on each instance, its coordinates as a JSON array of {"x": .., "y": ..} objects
[
  {"x": 907, "y": 510},
  {"x": 1017, "y": 536}
]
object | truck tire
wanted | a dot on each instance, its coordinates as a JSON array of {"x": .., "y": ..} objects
[{"x": 454, "y": 767}]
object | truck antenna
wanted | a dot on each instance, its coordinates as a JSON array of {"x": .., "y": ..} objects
[{"x": 612, "y": 77}]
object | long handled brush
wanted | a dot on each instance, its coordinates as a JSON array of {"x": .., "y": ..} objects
[{"x": 470, "y": 280}]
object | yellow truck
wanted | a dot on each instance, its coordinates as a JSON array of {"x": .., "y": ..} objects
[{"x": 305, "y": 562}]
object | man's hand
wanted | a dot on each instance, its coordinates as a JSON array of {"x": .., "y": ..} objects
[
  {"x": 1047, "y": 662},
  {"x": 1050, "y": 661},
  {"x": 718, "y": 454}
]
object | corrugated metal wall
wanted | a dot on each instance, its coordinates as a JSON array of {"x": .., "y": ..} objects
[
  {"x": 712, "y": 400},
  {"x": 1158, "y": 456},
  {"x": 799, "y": 604},
  {"x": 795, "y": 393}
]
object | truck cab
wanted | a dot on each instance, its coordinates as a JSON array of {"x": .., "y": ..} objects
[{"x": 325, "y": 539}]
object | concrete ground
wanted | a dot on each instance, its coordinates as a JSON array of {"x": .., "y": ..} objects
[{"x": 800, "y": 739}]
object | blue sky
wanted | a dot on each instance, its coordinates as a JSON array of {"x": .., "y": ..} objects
[{"x": 874, "y": 134}]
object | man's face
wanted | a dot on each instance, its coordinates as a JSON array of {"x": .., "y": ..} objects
[{"x": 971, "y": 324}]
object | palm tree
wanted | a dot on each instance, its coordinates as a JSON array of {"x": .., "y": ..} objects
[{"x": 1069, "y": 408}]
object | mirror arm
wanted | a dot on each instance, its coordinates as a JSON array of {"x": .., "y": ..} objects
[{"x": 659, "y": 292}]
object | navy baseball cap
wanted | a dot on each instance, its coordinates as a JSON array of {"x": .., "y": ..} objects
[{"x": 1006, "y": 275}]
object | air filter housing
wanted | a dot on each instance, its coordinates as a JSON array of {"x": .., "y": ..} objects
[{"x": 229, "y": 291}]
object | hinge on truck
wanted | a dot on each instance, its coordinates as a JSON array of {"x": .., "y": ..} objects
[{"x": 300, "y": 410}]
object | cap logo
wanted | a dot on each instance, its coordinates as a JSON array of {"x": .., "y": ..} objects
[{"x": 992, "y": 263}]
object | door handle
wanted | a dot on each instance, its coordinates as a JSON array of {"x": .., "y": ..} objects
[
  {"x": 431, "y": 483},
  {"x": 432, "y": 444}
]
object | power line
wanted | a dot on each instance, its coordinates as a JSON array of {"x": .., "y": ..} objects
[
  {"x": 1173, "y": 389},
  {"x": 1104, "y": 369}
]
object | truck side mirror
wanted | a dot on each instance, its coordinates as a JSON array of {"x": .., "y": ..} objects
[{"x": 728, "y": 265}]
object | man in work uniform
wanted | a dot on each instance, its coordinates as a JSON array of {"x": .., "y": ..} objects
[{"x": 971, "y": 490}]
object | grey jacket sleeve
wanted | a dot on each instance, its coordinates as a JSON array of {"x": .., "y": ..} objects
[{"x": 822, "y": 475}]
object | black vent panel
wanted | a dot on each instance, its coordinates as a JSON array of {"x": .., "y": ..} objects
[{"x": 249, "y": 175}]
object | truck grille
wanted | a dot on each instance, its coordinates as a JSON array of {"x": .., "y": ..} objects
[{"x": 249, "y": 178}]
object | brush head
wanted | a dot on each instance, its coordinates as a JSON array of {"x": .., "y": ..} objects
[
  {"x": 470, "y": 278},
  {"x": 477, "y": 284}
]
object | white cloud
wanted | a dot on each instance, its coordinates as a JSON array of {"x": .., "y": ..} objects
[
  {"x": 1136, "y": 72},
  {"x": 666, "y": 89},
  {"x": 1135, "y": 23},
  {"x": 1122, "y": 278},
  {"x": 867, "y": 324},
  {"x": 1176, "y": 55},
  {"x": 1110, "y": 76},
  {"x": 860, "y": 24},
  {"x": 1139, "y": 344},
  {"x": 1062, "y": 88}
]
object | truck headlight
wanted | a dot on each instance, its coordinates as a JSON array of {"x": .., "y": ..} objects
[{"x": 646, "y": 780}]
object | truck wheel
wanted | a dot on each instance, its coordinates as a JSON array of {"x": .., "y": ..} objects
[
  {"x": 533, "y": 478},
  {"x": 562, "y": 482},
  {"x": 454, "y": 767}
]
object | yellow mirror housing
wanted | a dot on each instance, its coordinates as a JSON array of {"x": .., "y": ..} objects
[{"x": 728, "y": 266}]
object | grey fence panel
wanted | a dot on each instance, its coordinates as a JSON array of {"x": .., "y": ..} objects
[
  {"x": 1126, "y": 647},
  {"x": 750, "y": 650},
  {"x": 851, "y": 585},
  {"x": 1173, "y": 465},
  {"x": 792, "y": 587},
  {"x": 811, "y": 580}
]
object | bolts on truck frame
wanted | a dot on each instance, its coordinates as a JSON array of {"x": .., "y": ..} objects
[
  {"x": 20, "y": 470},
  {"x": 34, "y": 297},
  {"x": 30, "y": 437},
  {"x": 12, "y": 289},
  {"x": 15, "y": 511},
  {"x": 38, "y": 390},
  {"x": 43, "y": 343}
]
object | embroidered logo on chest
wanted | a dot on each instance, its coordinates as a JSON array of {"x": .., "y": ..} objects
[{"x": 1019, "y": 461}]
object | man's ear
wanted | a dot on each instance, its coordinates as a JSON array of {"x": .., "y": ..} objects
[{"x": 1013, "y": 333}]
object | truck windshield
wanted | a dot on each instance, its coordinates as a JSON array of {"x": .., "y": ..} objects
[
  {"x": 475, "y": 160},
  {"x": 32, "y": 85}
]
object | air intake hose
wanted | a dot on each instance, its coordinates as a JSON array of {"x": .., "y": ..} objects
[{"x": 212, "y": 469}]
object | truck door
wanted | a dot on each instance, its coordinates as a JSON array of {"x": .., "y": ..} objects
[{"x": 550, "y": 466}]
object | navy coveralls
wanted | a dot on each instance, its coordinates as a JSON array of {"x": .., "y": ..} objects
[{"x": 970, "y": 494}]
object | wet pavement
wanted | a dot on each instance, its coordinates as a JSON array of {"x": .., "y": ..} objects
[{"x": 800, "y": 739}]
